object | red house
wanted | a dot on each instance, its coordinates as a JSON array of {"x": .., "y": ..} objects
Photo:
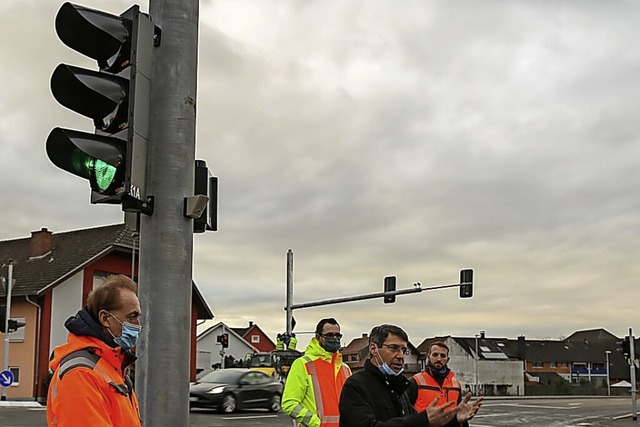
[{"x": 53, "y": 275}]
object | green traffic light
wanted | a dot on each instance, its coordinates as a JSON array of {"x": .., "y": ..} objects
[{"x": 103, "y": 173}]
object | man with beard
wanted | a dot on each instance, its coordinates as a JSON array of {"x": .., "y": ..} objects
[
  {"x": 437, "y": 381},
  {"x": 314, "y": 382},
  {"x": 377, "y": 395}
]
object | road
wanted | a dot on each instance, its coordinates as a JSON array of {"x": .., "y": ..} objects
[
  {"x": 547, "y": 412},
  {"x": 530, "y": 412}
]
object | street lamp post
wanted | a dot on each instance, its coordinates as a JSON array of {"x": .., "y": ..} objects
[
  {"x": 606, "y": 354},
  {"x": 475, "y": 360}
]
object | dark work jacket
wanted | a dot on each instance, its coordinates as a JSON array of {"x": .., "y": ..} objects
[{"x": 371, "y": 399}]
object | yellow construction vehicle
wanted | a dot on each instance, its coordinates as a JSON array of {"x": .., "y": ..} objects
[{"x": 275, "y": 364}]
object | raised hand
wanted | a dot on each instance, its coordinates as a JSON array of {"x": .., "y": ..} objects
[
  {"x": 440, "y": 416},
  {"x": 467, "y": 409}
]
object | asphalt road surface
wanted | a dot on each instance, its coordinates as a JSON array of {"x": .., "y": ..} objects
[{"x": 530, "y": 412}]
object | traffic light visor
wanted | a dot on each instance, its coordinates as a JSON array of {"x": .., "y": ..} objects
[
  {"x": 96, "y": 34},
  {"x": 99, "y": 96},
  {"x": 93, "y": 157}
]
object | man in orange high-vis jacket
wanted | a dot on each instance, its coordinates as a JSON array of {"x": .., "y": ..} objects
[
  {"x": 90, "y": 385},
  {"x": 315, "y": 380},
  {"x": 437, "y": 381}
]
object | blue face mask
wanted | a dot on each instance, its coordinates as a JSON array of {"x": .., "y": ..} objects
[
  {"x": 386, "y": 369},
  {"x": 331, "y": 345},
  {"x": 129, "y": 336}
]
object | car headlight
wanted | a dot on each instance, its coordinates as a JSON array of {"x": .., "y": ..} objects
[{"x": 216, "y": 390}]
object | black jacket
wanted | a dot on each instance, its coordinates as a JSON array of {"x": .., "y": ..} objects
[{"x": 371, "y": 399}]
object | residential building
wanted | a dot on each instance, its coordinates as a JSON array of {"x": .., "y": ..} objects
[
  {"x": 357, "y": 351},
  {"x": 242, "y": 341},
  {"x": 255, "y": 336},
  {"x": 54, "y": 273},
  {"x": 492, "y": 373}
]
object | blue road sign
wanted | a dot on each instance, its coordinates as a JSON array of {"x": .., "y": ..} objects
[{"x": 6, "y": 378}]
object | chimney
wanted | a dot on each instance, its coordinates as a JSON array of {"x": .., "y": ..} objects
[
  {"x": 41, "y": 243},
  {"x": 364, "y": 335},
  {"x": 250, "y": 323}
]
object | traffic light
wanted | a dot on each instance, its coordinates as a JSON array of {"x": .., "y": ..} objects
[
  {"x": 466, "y": 283},
  {"x": 389, "y": 286},
  {"x": 207, "y": 185},
  {"x": 625, "y": 347},
  {"x": 224, "y": 340},
  {"x": 116, "y": 97},
  {"x": 13, "y": 324}
]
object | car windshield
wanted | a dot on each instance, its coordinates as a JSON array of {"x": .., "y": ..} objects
[
  {"x": 222, "y": 376},
  {"x": 261, "y": 361}
]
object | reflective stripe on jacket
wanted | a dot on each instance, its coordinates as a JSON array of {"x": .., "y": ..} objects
[
  {"x": 429, "y": 390},
  {"x": 88, "y": 387},
  {"x": 312, "y": 389}
]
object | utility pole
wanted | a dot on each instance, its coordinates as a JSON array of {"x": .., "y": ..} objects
[
  {"x": 222, "y": 351},
  {"x": 166, "y": 237},
  {"x": 606, "y": 356},
  {"x": 6, "y": 326},
  {"x": 632, "y": 361},
  {"x": 289, "y": 299}
]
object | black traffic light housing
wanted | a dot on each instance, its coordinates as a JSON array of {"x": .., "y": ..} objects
[
  {"x": 625, "y": 347},
  {"x": 14, "y": 325},
  {"x": 224, "y": 340},
  {"x": 466, "y": 283},
  {"x": 116, "y": 98},
  {"x": 389, "y": 286}
]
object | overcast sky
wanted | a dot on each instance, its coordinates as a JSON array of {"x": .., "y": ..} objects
[{"x": 376, "y": 138}]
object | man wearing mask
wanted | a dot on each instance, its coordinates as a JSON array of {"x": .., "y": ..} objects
[
  {"x": 312, "y": 390},
  {"x": 376, "y": 395},
  {"x": 437, "y": 381},
  {"x": 90, "y": 385}
]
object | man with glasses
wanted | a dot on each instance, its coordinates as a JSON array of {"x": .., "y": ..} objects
[
  {"x": 376, "y": 395},
  {"x": 314, "y": 382},
  {"x": 437, "y": 381}
]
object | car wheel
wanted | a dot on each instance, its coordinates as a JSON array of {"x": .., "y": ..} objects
[
  {"x": 275, "y": 403},
  {"x": 228, "y": 404}
]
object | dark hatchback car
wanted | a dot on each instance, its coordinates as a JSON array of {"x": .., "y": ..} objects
[{"x": 231, "y": 389}]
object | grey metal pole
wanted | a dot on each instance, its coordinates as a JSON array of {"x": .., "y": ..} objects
[
  {"x": 222, "y": 352},
  {"x": 475, "y": 391},
  {"x": 606, "y": 354},
  {"x": 632, "y": 359},
  {"x": 289, "y": 291},
  {"x": 6, "y": 325},
  {"x": 166, "y": 237}
]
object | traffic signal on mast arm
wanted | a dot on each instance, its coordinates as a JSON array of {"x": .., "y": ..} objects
[
  {"x": 466, "y": 283},
  {"x": 389, "y": 286},
  {"x": 117, "y": 98}
]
